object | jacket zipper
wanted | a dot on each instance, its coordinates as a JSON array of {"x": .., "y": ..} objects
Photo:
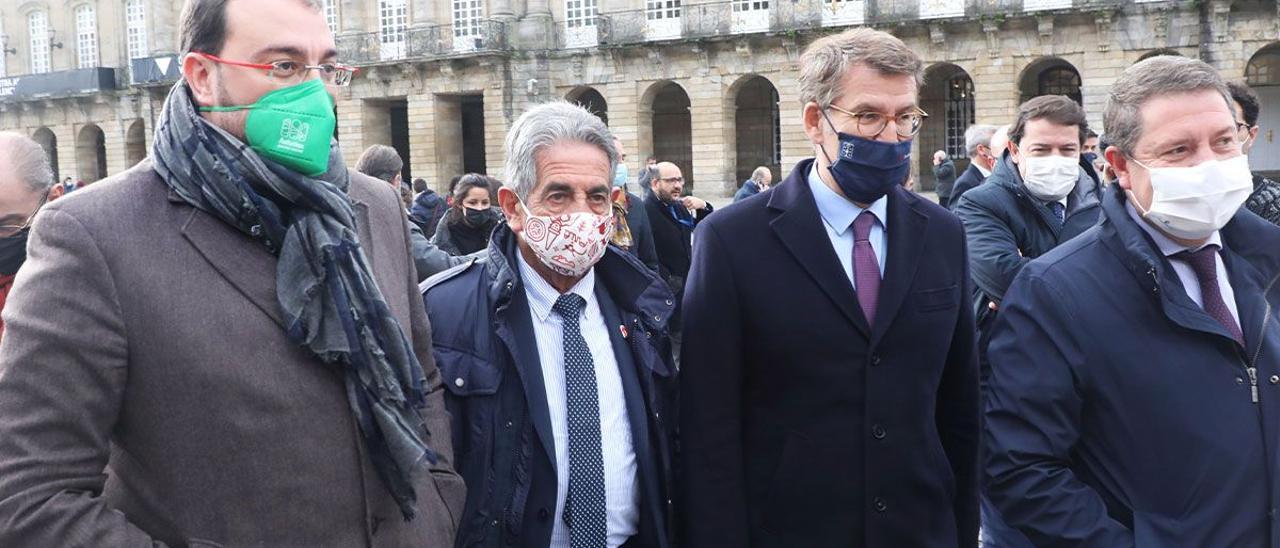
[{"x": 1252, "y": 366}]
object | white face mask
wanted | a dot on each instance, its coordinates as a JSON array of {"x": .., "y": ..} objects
[
  {"x": 1050, "y": 178},
  {"x": 1192, "y": 203},
  {"x": 570, "y": 243}
]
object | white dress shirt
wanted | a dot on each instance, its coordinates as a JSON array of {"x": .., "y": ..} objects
[
  {"x": 1186, "y": 274},
  {"x": 621, "y": 497},
  {"x": 838, "y": 214},
  {"x": 984, "y": 171}
]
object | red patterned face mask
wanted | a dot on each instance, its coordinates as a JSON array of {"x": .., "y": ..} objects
[{"x": 569, "y": 244}]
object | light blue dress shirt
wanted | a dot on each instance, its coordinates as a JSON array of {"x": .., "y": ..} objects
[{"x": 838, "y": 214}]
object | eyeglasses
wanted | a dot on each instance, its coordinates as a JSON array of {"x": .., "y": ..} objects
[
  {"x": 1242, "y": 131},
  {"x": 672, "y": 179},
  {"x": 12, "y": 230},
  {"x": 292, "y": 72},
  {"x": 871, "y": 123}
]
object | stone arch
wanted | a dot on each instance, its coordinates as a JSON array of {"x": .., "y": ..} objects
[
  {"x": 1262, "y": 73},
  {"x": 135, "y": 143},
  {"x": 1050, "y": 76},
  {"x": 91, "y": 153},
  {"x": 591, "y": 99},
  {"x": 49, "y": 142},
  {"x": 948, "y": 97},
  {"x": 757, "y": 127},
  {"x": 667, "y": 126}
]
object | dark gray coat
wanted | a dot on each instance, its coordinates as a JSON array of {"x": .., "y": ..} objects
[{"x": 150, "y": 397}]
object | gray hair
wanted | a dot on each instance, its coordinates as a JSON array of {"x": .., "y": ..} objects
[
  {"x": 28, "y": 160},
  {"x": 1157, "y": 76},
  {"x": 977, "y": 134},
  {"x": 546, "y": 125},
  {"x": 759, "y": 173},
  {"x": 825, "y": 62},
  {"x": 380, "y": 161},
  {"x": 647, "y": 174}
]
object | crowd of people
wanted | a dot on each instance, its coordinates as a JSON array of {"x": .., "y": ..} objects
[{"x": 243, "y": 342}]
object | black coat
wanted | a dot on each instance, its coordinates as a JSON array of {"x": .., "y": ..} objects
[
  {"x": 1120, "y": 413},
  {"x": 1265, "y": 200},
  {"x": 484, "y": 343},
  {"x": 800, "y": 425},
  {"x": 969, "y": 180},
  {"x": 641, "y": 232},
  {"x": 672, "y": 240},
  {"x": 945, "y": 173}
]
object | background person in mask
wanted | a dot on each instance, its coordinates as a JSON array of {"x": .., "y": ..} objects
[
  {"x": 556, "y": 356},
  {"x": 839, "y": 407},
  {"x": 1135, "y": 369},
  {"x": 632, "y": 231},
  {"x": 383, "y": 162},
  {"x": 25, "y": 179},
  {"x": 1036, "y": 198},
  {"x": 466, "y": 227},
  {"x": 1265, "y": 200},
  {"x": 179, "y": 365}
]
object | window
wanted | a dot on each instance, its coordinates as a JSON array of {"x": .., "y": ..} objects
[
  {"x": 580, "y": 13},
  {"x": 331, "y": 15},
  {"x": 393, "y": 18},
  {"x": 38, "y": 31},
  {"x": 1061, "y": 81},
  {"x": 1263, "y": 69},
  {"x": 135, "y": 18},
  {"x": 750, "y": 5},
  {"x": 87, "y": 36},
  {"x": 662, "y": 9},
  {"x": 467, "y": 17},
  {"x": 3, "y": 68},
  {"x": 959, "y": 115}
]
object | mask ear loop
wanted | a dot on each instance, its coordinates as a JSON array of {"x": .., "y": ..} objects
[
  {"x": 833, "y": 130},
  {"x": 1133, "y": 199}
]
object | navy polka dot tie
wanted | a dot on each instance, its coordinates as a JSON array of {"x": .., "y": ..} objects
[{"x": 584, "y": 511}]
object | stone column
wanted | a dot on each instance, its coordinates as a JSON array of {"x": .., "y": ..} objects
[
  {"x": 350, "y": 128},
  {"x": 422, "y": 140},
  {"x": 67, "y": 162},
  {"x": 713, "y": 142},
  {"x": 113, "y": 132},
  {"x": 495, "y": 129}
]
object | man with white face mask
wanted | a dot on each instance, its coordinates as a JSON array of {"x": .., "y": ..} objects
[
  {"x": 1135, "y": 370},
  {"x": 556, "y": 357},
  {"x": 1038, "y": 196}
]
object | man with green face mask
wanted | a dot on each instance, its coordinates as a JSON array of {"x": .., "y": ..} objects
[{"x": 229, "y": 330}]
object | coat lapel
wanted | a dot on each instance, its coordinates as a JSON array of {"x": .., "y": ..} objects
[
  {"x": 906, "y": 229},
  {"x": 248, "y": 266},
  {"x": 529, "y": 367},
  {"x": 799, "y": 225}
]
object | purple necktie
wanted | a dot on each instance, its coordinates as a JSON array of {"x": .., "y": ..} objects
[
  {"x": 1204, "y": 262},
  {"x": 866, "y": 269}
]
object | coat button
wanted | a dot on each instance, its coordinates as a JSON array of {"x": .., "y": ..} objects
[
  {"x": 510, "y": 424},
  {"x": 1239, "y": 380},
  {"x": 458, "y": 382},
  {"x": 1275, "y": 379},
  {"x": 875, "y": 359},
  {"x": 878, "y": 432},
  {"x": 669, "y": 302},
  {"x": 256, "y": 231},
  {"x": 880, "y": 505}
]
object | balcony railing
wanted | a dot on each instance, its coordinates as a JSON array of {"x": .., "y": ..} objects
[
  {"x": 422, "y": 43},
  {"x": 57, "y": 84}
]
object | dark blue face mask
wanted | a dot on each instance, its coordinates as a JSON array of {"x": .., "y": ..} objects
[
  {"x": 13, "y": 251},
  {"x": 1090, "y": 157},
  {"x": 865, "y": 170}
]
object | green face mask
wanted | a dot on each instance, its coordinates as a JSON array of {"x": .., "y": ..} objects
[{"x": 291, "y": 126}]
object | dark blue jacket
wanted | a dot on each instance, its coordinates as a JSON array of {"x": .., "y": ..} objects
[
  {"x": 802, "y": 426},
  {"x": 748, "y": 189},
  {"x": 1120, "y": 413},
  {"x": 427, "y": 210},
  {"x": 484, "y": 345},
  {"x": 945, "y": 176},
  {"x": 968, "y": 180},
  {"x": 641, "y": 232}
]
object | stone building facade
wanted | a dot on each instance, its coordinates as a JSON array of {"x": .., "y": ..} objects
[{"x": 708, "y": 84}]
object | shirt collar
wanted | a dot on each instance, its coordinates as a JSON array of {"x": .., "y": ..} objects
[
  {"x": 837, "y": 211},
  {"x": 1167, "y": 246},
  {"x": 984, "y": 171},
  {"x": 542, "y": 296}
]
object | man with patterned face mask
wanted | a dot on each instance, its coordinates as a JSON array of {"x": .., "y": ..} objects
[
  {"x": 556, "y": 356},
  {"x": 1135, "y": 370},
  {"x": 223, "y": 346}
]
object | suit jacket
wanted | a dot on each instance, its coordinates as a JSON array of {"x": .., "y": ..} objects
[
  {"x": 149, "y": 395},
  {"x": 970, "y": 178},
  {"x": 502, "y": 423},
  {"x": 672, "y": 240},
  {"x": 801, "y": 425}
]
